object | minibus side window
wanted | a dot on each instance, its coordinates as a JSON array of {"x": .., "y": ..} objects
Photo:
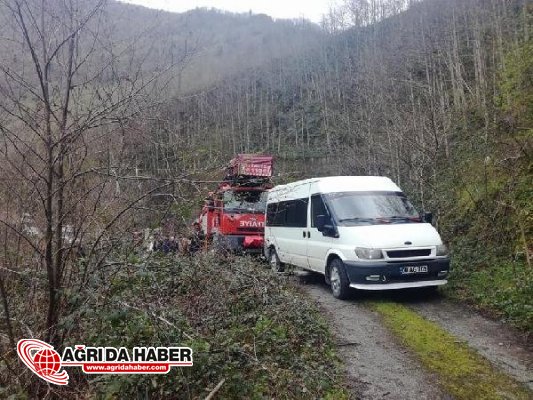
[
  {"x": 317, "y": 208},
  {"x": 276, "y": 214},
  {"x": 296, "y": 216},
  {"x": 292, "y": 213}
]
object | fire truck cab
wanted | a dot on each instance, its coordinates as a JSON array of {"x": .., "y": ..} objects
[{"x": 233, "y": 217}]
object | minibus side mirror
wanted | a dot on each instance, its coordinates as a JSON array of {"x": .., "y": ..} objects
[
  {"x": 428, "y": 217},
  {"x": 324, "y": 224},
  {"x": 321, "y": 222}
]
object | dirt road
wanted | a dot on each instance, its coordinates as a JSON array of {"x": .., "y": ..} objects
[
  {"x": 378, "y": 367},
  {"x": 505, "y": 348}
]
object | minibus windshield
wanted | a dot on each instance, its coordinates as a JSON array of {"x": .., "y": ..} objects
[
  {"x": 253, "y": 201},
  {"x": 371, "y": 208}
]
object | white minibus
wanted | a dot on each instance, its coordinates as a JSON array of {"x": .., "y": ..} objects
[{"x": 360, "y": 232}]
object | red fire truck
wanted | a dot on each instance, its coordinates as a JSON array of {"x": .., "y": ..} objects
[{"x": 233, "y": 216}]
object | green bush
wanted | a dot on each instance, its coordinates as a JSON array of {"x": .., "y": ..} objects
[
  {"x": 244, "y": 324},
  {"x": 503, "y": 286}
]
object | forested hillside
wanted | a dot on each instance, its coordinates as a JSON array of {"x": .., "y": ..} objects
[
  {"x": 115, "y": 119},
  {"x": 215, "y": 43},
  {"x": 438, "y": 97}
]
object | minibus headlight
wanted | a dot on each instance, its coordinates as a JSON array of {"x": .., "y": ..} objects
[
  {"x": 368, "y": 254},
  {"x": 442, "y": 250}
]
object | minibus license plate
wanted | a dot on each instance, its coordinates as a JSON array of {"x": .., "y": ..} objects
[{"x": 419, "y": 269}]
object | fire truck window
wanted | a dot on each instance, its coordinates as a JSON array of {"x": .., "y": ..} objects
[{"x": 253, "y": 200}]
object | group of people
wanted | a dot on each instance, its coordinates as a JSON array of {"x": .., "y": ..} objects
[
  {"x": 194, "y": 243},
  {"x": 166, "y": 245}
]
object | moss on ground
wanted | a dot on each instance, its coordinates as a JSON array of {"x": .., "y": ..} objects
[{"x": 462, "y": 372}]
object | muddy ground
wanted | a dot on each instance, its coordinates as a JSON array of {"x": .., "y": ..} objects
[{"x": 378, "y": 367}]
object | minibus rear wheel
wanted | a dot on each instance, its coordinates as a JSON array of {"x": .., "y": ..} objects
[
  {"x": 275, "y": 264},
  {"x": 340, "y": 285}
]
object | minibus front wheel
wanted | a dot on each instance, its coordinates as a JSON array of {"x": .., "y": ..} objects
[
  {"x": 273, "y": 260},
  {"x": 340, "y": 286}
]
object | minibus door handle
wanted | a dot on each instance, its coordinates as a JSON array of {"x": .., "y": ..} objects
[
  {"x": 308, "y": 235},
  {"x": 304, "y": 234}
]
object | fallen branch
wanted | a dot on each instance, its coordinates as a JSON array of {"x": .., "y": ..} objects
[
  {"x": 215, "y": 390},
  {"x": 158, "y": 317}
]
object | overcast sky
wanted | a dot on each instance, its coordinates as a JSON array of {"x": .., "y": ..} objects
[{"x": 310, "y": 9}]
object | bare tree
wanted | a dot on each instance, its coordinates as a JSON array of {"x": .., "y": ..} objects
[{"x": 68, "y": 96}]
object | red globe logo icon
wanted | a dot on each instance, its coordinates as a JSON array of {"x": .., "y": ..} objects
[
  {"x": 43, "y": 360},
  {"x": 47, "y": 362}
]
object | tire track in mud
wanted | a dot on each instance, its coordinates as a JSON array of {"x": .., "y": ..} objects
[{"x": 377, "y": 367}]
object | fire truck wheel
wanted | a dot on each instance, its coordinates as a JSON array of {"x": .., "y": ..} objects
[
  {"x": 275, "y": 264},
  {"x": 219, "y": 244}
]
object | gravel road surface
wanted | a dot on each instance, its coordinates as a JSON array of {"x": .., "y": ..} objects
[{"x": 376, "y": 365}]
